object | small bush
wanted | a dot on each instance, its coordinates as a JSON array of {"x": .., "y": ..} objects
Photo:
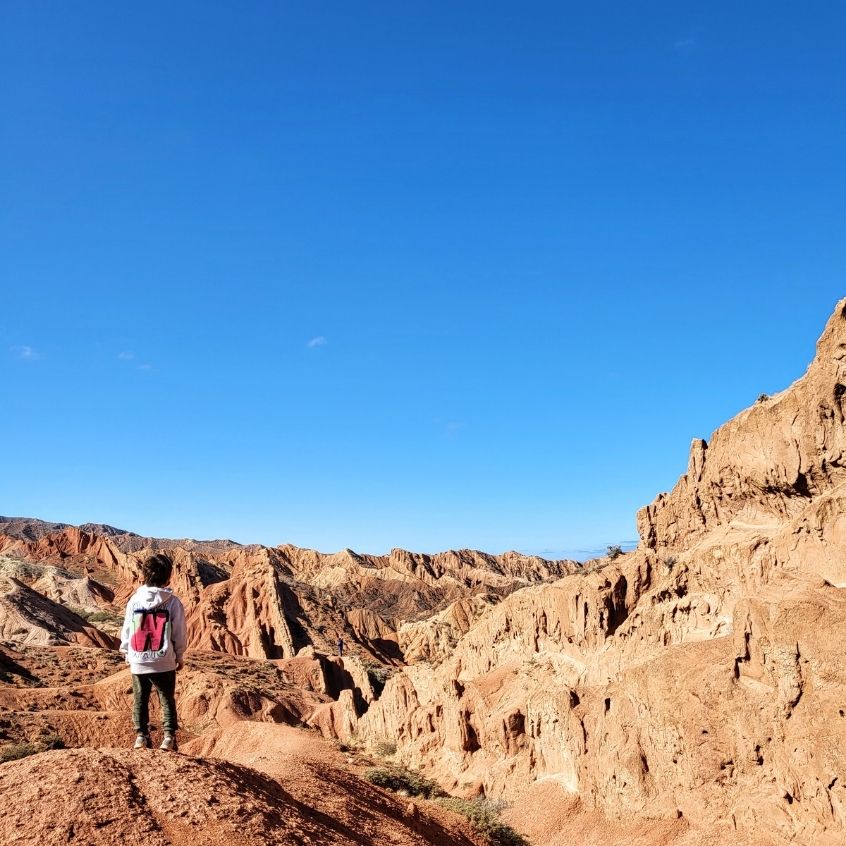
[
  {"x": 484, "y": 815},
  {"x": 96, "y": 616},
  {"x": 385, "y": 748},
  {"x": 763, "y": 397},
  {"x": 398, "y": 779},
  {"x": 351, "y": 744},
  {"x": 103, "y": 617},
  {"x": 51, "y": 741},
  {"x": 670, "y": 562},
  {"x": 378, "y": 676},
  {"x": 615, "y": 551},
  {"x": 16, "y": 751}
]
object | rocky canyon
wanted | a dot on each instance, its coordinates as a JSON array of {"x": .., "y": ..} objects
[{"x": 690, "y": 692}]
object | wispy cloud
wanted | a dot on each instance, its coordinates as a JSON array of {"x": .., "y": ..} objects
[
  {"x": 449, "y": 428},
  {"x": 145, "y": 367},
  {"x": 684, "y": 45},
  {"x": 23, "y": 352},
  {"x": 319, "y": 341},
  {"x": 126, "y": 355}
]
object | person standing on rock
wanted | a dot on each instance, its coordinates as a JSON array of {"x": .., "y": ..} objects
[
  {"x": 153, "y": 639},
  {"x": 340, "y": 647}
]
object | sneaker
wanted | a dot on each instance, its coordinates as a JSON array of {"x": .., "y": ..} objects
[
  {"x": 169, "y": 743},
  {"x": 142, "y": 742}
]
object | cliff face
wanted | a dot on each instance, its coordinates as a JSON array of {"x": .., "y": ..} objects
[
  {"x": 699, "y": 679},
  {"x": 783, "y": 458}
]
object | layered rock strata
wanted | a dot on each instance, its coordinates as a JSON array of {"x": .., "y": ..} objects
[
  {"x": 699, "y": 678},
  {"x": 266, "y": 602}
]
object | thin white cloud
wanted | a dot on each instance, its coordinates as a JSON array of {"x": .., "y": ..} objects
[
  {"x": 319, "y": 341},
  {"x": 684, "y": 45},
  {"x": 449, "y": 428},
  {"x": 126, "y": 355},
  {"x": 23, "y": 352},
  {"x": 145, "y": 367}
]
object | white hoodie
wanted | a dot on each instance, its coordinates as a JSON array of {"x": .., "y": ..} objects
[{"x": 153, "y": 637}]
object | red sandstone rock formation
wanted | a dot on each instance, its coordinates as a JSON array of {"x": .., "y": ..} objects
[
  {"x": 271, "y": 602},
  {"x": 29, "y": 617},
  {"x": 765, "y": 467},
  {"x": 699, "y": 678}
]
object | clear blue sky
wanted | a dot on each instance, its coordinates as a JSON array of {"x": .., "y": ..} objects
[{"x": 380, "y": 274}]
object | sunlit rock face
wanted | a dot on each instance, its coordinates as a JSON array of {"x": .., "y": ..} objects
[{"x": 698, "y": 680}]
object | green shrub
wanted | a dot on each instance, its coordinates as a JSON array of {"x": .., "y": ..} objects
[
  {"x": 398, "y": 779},
  {"x": 51, "y": 741},
  {"x": 96, "y": 616},
  {"x": 16, "y": 751},
  {"x": 385, "y": 748},
  {"x": 351, "y": 744},
  {"x": 378, "y": 676},
  {"x": 104, "y": 617},
  {"x": 615, "y": 551},
  {"x": 484, "y": 815}
]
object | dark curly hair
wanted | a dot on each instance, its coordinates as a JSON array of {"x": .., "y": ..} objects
[{"x": 157, "y": 570}]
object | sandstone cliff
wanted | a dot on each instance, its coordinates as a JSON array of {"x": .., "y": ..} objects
[
  {"x": 698, "y": 681},
  {"x": 778, "y": 465}
]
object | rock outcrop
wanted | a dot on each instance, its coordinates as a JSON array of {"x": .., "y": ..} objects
[
  {"x": 775, "y": 464},
  {"x": 698, "y": 678},
  {"x": 271, "y": 602},
  {"x": 29, "y": 617}
]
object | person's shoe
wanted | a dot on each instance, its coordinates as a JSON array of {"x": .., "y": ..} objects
[
  {"x": 142, "y": 742},
  {"x": 169, "y": 743}
]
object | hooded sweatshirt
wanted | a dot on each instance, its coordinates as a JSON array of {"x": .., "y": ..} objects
[{"x": 153, "y": 637}]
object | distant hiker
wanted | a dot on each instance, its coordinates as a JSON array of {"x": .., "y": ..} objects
[
  {"x": 341, "y": 647},
  {"x": 153, "y": 639}
]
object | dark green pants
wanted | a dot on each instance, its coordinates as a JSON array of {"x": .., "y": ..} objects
[{"x": 165, "y": 685}]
